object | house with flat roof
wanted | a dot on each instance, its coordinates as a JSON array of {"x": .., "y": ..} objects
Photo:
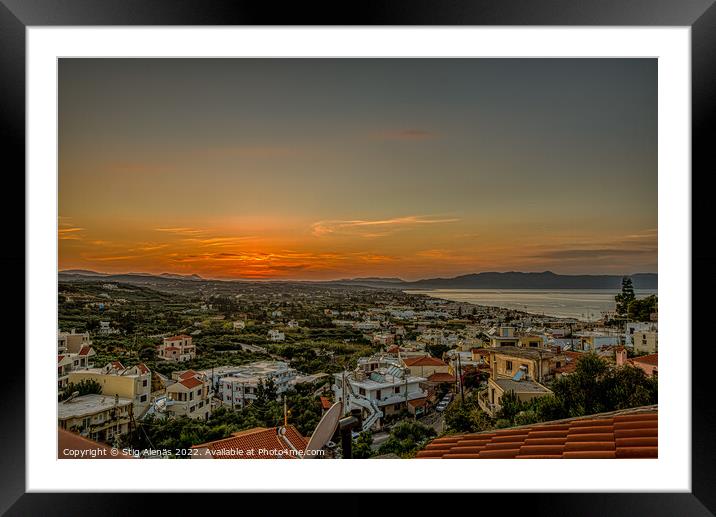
[
  {"x": 379, "y": 386},
  {"x": 98, "y": 417},
  {"x": 490, "y": 400}
]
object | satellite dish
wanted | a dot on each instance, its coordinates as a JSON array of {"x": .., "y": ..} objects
[{"x": 324, "y": 430}]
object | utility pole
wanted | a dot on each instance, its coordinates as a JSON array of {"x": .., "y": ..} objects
[{"x": 459, "y": 373}]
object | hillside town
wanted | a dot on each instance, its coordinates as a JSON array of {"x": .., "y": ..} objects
[{"x": 204, "y": 370}]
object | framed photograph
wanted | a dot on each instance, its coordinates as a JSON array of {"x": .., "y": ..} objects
[{"x": 403, "y": 252}]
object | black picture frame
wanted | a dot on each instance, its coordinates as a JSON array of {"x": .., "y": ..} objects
[{"x": 700, "y": 15}]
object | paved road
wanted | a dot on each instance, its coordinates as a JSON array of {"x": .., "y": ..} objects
[{"x": 378, "y": 439}]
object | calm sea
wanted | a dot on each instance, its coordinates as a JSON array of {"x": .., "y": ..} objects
[{"x": 582, "y": 304}]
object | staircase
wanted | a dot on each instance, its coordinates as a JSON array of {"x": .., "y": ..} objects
[{"x": 374, "y": 413}]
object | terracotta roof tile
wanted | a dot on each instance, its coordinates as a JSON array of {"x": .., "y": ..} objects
[
  {"x": 425, "y": 360},
  {"x": 67, "y": 441},
  {"x": 191, "y": 382},
  {"x": 256, "y": 439},
  {"x": 325, "y": 403},
  {"x": 441, "y": 377},
  {"x": 629, "y": 433},
  {"x": 651, "y": 360}
]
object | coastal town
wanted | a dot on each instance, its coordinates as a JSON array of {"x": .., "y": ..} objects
[{"x": 151, "y": 366}]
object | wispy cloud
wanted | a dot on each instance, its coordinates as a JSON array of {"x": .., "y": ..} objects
[
  {"x": 68, "y": 232},
  {"x": 633, "y": 246},
  {"x": 374, "y": 228},
  {"x": 181, "y": 230}
]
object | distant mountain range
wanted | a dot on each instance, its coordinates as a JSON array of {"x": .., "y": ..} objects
[
  {"x": 514, "y": 280},
  {"x": 489, "y": 280},
  {"x": 124, "y": 276}
]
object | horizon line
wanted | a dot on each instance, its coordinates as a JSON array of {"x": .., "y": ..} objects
[{"x": 386, "y": 278}]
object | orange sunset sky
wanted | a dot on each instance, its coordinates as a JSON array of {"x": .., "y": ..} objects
[{"x": 335, "y": 168}]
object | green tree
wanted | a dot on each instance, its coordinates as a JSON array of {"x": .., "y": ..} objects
[
  {"x": 84, "y": 387},
  {"x": 641, "y": 309},
  {"x": 406, "y": 438},
  {"x": 625, "y": 298},
  {"x": 361, "y": 448}
]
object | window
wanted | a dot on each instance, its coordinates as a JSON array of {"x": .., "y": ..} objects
[
  {"x": 508, "y": 366},
  {"x": 144, "y": 383},
  {"x": 143, "y": 398},
  {"x": 396, "y": 407},
  {"x": 397, "y": 389},
  {"x": 361, "y": 391}
]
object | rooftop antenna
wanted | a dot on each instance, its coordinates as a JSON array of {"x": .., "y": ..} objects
[{"x": 324, "y": 430}]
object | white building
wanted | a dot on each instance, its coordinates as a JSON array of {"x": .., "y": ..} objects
[
  {"x": 276, "y": 335},
  {"x": 366, "y": 325},
  {"x": 106, "y": 329},
  {"x": 379, "y": 387},
  {"x": 239, "y": 325},
  {"x": 237, "y": 384},
  {"x": 633, "y": 327}
]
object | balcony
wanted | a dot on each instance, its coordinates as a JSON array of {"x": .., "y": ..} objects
[{"x": 483, "y": 400}]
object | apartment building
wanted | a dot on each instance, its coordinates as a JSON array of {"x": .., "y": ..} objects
[
  {"x": 134, "y": 383},
  {"x": 237, "y": 385},
  {"x": 71, "y": 342},
  {"x": 67, "y": 362},
  {"x": 98, "y": 417}
]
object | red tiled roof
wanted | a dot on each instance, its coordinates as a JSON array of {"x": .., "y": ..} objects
[
  {"x": 71, "y": 442},
  {"x": 418, "y": 402},
  {"x": 567, "y": 368},
  {"x": 117, "y": 365},
  {"x": 191, "y": 382},
  {"x": 425, "y": 360},
  {"x": 255, "y": 439},
  {"x": 143, "y": 368},
  {"x": 187, "y": 374},
  {"x": 626, "y": 434},
  {"x": 325, "y": 403},
  {"x": 60, "y": 358},
  {"x": 441, "y": 377},
  {"x": 651, "y": 360},
  {"x": 85, "y": 350},
  {"x": 480, "y": 351}
]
